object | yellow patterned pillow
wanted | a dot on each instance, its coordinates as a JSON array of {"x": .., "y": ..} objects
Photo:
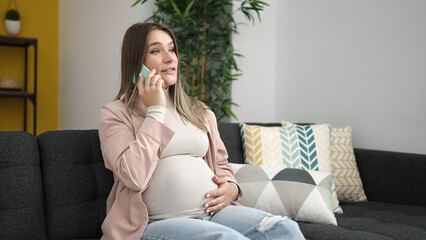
[
  {"x": 301, "y": 147},
  {"x": 348, "y": 182}
]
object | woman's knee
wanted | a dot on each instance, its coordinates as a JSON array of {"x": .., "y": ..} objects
[
  {"x": 258, "y": 224},
  {"x": 279, "y": 227}
]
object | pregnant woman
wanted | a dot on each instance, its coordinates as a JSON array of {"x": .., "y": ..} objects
[{"x": 172, "y": 179}]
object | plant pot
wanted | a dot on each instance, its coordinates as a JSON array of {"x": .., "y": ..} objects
[{"x": 12, "y": 26}]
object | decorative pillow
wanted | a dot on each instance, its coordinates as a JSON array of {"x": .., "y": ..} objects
[
  {"x": 348, "y": 182},
  {"x": 303, "y": 195},
  {"x": 303, "y": 147}
]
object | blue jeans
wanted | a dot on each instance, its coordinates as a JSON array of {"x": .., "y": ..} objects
[{"x": 231, "y": 223}]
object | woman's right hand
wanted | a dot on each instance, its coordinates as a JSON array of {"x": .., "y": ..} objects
[{"x": 152, "y": 94}]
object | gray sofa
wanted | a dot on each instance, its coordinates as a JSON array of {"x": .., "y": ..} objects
[{"x": 55, "y": 186}]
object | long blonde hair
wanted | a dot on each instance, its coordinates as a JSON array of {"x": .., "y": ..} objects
[{"x": 132, "y": 55}]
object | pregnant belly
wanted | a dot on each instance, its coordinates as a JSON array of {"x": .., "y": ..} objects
[{"x": 178, "y": 188}]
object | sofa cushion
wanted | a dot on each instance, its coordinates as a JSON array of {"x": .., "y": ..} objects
[
  {"x": 296, "y": 193},
  {"x": 230, "y": 135},
  {"x": 372, "y": 220},
  {"x": 303, "y": 147},
  {"x": 349, "y": 185},
  {"x": 76, "y": 183},
  {"x": 348, "y": 182},
  {"x": 21, "y": 194}
]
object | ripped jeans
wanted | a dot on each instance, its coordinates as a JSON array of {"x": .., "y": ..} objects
[{"x": 231, "y": 223}]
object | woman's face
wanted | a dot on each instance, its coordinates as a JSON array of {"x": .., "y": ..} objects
[{"x": 161, "y": 56}]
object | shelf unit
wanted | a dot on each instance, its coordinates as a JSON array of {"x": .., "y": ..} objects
[{"x": 32, "y": 96}]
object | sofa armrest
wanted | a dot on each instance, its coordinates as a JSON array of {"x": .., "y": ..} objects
[{"x": 393, "y": 177}]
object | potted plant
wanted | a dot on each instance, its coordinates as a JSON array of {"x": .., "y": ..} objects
[{"x": 12, "y": 21}]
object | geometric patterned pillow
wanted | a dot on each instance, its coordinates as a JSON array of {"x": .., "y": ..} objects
[
  {"x": 306, "y": 147},
  {"x": 303, "y": 195},
  {"x": 348, "y": 182},
  {"x": 302, "y": 147}
]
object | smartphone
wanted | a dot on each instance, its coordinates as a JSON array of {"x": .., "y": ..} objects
[{"x": 144, "y": 72}]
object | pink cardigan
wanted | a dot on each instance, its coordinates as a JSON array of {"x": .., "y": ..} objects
[{"x": 131, "y": 147}]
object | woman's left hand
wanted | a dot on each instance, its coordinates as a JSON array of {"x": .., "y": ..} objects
[{"x": 222, "y": 196}]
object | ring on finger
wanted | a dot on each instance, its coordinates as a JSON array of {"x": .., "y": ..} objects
[
  {"x": 222, "y": 205},
  {"x": 153, "y": 83}
]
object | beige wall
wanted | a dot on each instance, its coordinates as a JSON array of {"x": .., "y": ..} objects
[
  {"x": 342, "y": 62},
  {"x": 90, "y": 36}
]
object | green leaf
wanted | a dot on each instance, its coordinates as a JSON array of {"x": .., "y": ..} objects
[
  {"x": 139, "y": 1},
  {"x": 178, "y": 12},
  {"x": 189, "y": 8}
]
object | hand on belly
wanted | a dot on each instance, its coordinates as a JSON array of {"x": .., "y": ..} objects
[{"x": 222, "y": 196}]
